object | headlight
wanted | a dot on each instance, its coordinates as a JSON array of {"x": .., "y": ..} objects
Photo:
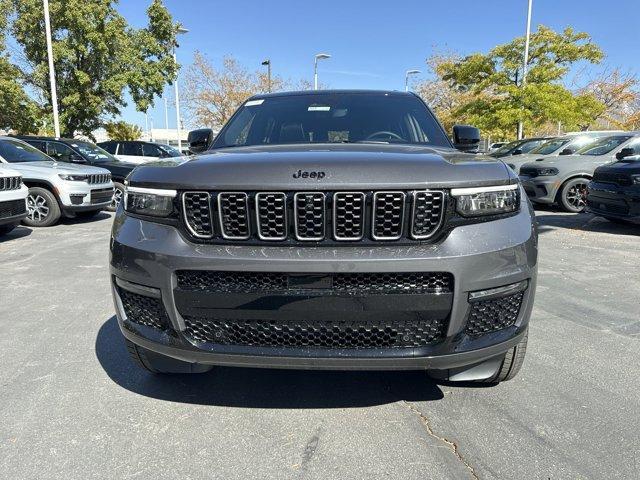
[
  {"x": 473, "y": 202},
  {"x": 547, "y": 172},
  {"x": 72, "y": 178},
  {"x": 149, "y": 201}
]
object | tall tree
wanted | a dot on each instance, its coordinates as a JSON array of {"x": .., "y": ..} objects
[
  {"x": 213, "y": 94},
  {"x": 97, "y": 56},
  {"x": 123, "y": 131},
  {"x": 496, "y": 97},
  {"x": 619, "y": 94}
]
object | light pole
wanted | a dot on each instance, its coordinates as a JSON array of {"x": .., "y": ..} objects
[
  {"x": 52, "y": 72},
  {"x": 320, "y": 56},
  {"x": 525, "y": 61},
  {"x": 166, "y": 118},
  {"x": 406, "y": 78},
  {"x": 267, "y": 63},
  {"x": 175, "y": 86}
]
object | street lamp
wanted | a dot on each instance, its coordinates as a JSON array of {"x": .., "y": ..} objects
[
  {"x": 525, "y": 61},
  {"x": 320, "y": 56},
  {"x": 406, "y": 78},
  {"x": 180, "y": 30},
  {"x": 52, "y": 72},
  {"x": 267, "y": 63}
]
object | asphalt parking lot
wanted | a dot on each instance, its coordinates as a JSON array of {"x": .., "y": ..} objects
[{"x": 74, "y": 406}]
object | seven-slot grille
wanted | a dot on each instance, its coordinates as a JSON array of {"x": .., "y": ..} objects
[
  {"x": 314, "y": 216},
  {"x": 98, "y": 178},
  {"x": 10, "y": 183}
]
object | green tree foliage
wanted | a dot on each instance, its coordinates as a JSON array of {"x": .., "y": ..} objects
[
  {"x": 97, "y": 55},
  {"x": 495, "y": 97},
  {"x": 123, "y": 131}
]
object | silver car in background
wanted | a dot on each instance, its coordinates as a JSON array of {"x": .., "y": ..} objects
[
  {"x": 567, "y": 144},
  {"x": 563, "y": 179}
]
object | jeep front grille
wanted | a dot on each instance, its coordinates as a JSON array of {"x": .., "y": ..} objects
[
  {"x": 314, "y": 216},
  {"x": 96, "y": 179},
  {"x": 10, "y": 183}
]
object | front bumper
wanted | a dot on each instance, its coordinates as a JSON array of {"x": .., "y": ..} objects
[
  {"x": 80, "y": 196},
  {"x": 145, "y": 257},
  {"x": 615, "y": 201},
  {"x": 541, "y": 189},
  {"x": 11, "y": 210}
]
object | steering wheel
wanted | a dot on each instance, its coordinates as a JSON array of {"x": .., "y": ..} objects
[{"x": 384, "y": 133}]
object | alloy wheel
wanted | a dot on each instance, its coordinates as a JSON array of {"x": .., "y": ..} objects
[
  {"x": 37, "y": 208},
  {"x": 576, "y": 195}
]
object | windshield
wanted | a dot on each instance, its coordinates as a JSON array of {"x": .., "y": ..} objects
[
  {"x": 332, "y": 118},
  {"x": 507, "y": 147},
  {"x": 603, "y": 146},
  {"x": 170, "y": 151},
  {"x": 551, "y": 146},
  {"x": 15, "y": 151},
  {"x": 93, "y": 152}
]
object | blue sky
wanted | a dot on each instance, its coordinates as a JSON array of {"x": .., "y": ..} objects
[{"x": 373, "y": 42}]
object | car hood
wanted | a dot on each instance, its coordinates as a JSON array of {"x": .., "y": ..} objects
[
  {"x": 324, "y": 167},
  {"x": 57, "y": 167},
  {"x": 6, "y": 171},
  {"x": 629, "y": 167}
]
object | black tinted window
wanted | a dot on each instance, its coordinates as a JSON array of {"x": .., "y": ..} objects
[
  {"x": 151, "y": 150},
  {"x": 109, "y": 147},
  {"x": 59, "y": 151},
  {"x": 15, "y": 151},
  {"x": 333, "y": 118},
  {"x": 131, "y": 148}
]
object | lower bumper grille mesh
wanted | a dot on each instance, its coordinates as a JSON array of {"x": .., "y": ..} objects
[
  {"x": 302, "y": 334},
  {"x": 495, "y": 314},
  {"x": 12, "y": 208},
  {"x": 144, "y": 310}
]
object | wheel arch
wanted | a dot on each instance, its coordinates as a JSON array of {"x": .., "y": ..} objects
[
  {"x": 36, "y": 182},
  {"x": 573, "y": 176}
]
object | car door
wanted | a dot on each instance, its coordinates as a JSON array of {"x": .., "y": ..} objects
[
  {"x": 130, "y": 152},
  {"x": 151, "y": 152}
]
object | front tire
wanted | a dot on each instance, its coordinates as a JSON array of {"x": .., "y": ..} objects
[
  {"x": 512, "y": 362},
  {"x": 573, "y": 195},
  {"x": 118, "y": 195},
  {"x": 43, "y": 209},
  {"x": 160, "y": 364}
]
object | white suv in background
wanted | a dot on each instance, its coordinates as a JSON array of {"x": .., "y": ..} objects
[
  {"x": 137, "y": 151},
  {"x": 13, "y": 199},
  {"x": 56, "y": 189}
]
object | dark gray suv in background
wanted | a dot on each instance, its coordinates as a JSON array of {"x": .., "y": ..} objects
[{"x": 327, "y": 229}]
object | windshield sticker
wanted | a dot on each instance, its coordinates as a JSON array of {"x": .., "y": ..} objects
[
  {"x": 251, "y": 103},
  {"x": 318, "y": 108}
]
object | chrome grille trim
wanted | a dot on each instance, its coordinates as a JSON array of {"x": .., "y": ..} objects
[
  {"x": 323, "y": 220},
  {"x": 436, "y": 193},
  {"x": 222, "y": 199},
  {"x": 186, "y": 215},
  {"x": 363, "y": 201},
  {"x": 98, "y": 178},
  {"x": 10, "y": 183},
  {"x": 375, "y": 215},
  {"x": 283, "y": 225}
]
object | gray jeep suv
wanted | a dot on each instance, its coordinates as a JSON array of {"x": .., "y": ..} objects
[{"x": 327, "y": 229}]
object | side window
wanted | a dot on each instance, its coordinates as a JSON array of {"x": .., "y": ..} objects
[
  {"x": 109, "y": 147},
  {"x": 42, "y": 146},
  {"x": 636, "y": 147},
  {"x": 131, "y": 148},
  {"x": 59, "y": 151},
  {"x": 151, "y": 150}
]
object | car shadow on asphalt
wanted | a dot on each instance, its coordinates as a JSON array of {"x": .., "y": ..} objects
[
  {"x": 585, "y": 222},
  {"x": 262, "y": 388},
  {"x": 15, "y": 234},
  {"x": 78, "y": 220}
]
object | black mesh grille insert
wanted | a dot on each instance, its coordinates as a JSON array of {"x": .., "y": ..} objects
[
  {"x": 271, "y": 215},
  {"x": 144, "y": 310},
  {"x": 233, "y": 209},
  {"x": 310, "y": 215},
  {"x": 495, "y": 314},
  {"x": 388, "y": 215},
  {"x": 348, "y": 215},
  {"x": 428, "y": 210},
  {"x": 343, "y": 283},
  {"x": 12, "y": 208},
  {"x": 336, "y": 334},
  {"x": 197, "y": 212}
]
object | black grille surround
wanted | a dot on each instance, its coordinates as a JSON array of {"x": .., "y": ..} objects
[
  {"x": 317, "y": 217},
  {"x": 493, "y": 314},
  {"x": 10, "y": 183},
  {"x": 341, "y": 283},
  {"x": 341, "y": 334},
  {"x": 13, "y": 208},
  {"x": 143, "y": 310}
]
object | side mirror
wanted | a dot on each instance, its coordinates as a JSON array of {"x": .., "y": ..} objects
[
  {"x": 466, "y": 138},
  {"x": 200, "y": 140},
  {"x": 517, "y": 151},
  {"x": 625, "y": 152},
  {"x": 566, "y": 151}
]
